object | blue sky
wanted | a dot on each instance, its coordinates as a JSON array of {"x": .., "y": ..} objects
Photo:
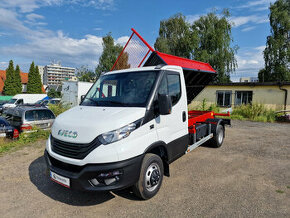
[{"x": 71, "y": 31}]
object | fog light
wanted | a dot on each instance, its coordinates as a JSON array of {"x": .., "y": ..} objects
[
  {"x": 94, "y": 181},
  {"x": 110, "y": 174},
  {"x": 110, "y": 181}
]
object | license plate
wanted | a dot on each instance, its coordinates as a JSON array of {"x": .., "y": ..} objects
[{"x": 60, "y": 179}]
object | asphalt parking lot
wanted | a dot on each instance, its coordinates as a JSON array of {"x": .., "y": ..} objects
[{"x": 249, "y": 176}]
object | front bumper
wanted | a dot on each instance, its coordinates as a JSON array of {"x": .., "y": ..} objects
[{"x": 80, "y": 176}]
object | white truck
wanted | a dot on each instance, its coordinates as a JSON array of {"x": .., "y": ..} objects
[
  {"x": 132, "y": 124},
  {"x": 21, "y": 99},
  {"x": 73, "y": 90}
]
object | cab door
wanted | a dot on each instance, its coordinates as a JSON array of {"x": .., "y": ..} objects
[{"x": 173, "y": 128}]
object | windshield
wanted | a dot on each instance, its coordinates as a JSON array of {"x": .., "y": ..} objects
[
  {"x": 38, "y": 102},
  {"x": 12, "y": 101},
  {"x": 121, "y": 89}
]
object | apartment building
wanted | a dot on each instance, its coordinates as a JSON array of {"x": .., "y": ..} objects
[{"x": 54, "y": 74}]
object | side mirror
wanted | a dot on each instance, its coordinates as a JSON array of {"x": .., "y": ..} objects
[
  {"x": 82, "y": 97},
  {"x": 164, "y": 104}
]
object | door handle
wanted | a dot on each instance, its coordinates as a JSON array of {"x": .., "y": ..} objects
[{"x": 183, "y": 116}]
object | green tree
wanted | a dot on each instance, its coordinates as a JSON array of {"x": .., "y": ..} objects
[
  {"x": 109, "y": 55},
  {"x": 34, "y": 85},
  {"x": 208, "y": 39},
  {"x": 85, "y": 75},
  {"x": 52, "y": 93},
  {"x": 17, "y": 78},
  {"x": 277, "y": 51},
  {"x": 9, "y": 85},
  {"x": 215, "y": 38},
  {"x": 175, "y": 37}
]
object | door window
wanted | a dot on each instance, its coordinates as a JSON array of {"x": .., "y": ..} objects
[
  {"x": 163, "y": 87},
  {"x": 174, "y": 87}
]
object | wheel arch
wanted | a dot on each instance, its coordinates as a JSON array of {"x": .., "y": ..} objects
[
  {"x": 159, "y": 148},
  {"x": 215, "y": 123}
]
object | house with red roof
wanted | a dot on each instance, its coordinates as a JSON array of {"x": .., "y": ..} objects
[{"x": 24, "y": 81}]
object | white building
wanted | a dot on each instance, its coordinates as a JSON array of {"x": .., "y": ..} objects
[
  {"x": 54, "y": 74},
  {"x": 249, "y": 79},
  {"x": 41, "y": 71}
]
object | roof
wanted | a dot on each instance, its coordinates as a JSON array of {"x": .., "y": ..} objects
[
  {"x": 24, "y": 79},
  {"x": 185, "y": 63},
  {"x": 253, "y": 84},
  {"x": 21, "y": 109}
]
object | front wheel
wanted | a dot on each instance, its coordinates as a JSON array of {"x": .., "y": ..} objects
[{"x": 151, "y": 176}]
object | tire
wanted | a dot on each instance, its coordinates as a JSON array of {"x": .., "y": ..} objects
[
  {"x": 151, "y": 176},
  {"x": 218, "y": 138}
]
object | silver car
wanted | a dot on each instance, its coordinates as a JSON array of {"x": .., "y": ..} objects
[{"x": 24, "y": 118}]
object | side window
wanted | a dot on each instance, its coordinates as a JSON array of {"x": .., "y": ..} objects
[
  {"x": 20, "y": 101},
  {"x": 163, "y": 87},
  {"x": 29, "y": 115},
  {"x": 41, "y": 115},
  {"x": 174, "y": 87},
  {"x": 49, "y": 115}
]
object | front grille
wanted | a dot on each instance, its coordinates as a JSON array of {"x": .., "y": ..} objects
[
  {"x": 73, "y": 150},
  {"x": 65, "y": 166}
]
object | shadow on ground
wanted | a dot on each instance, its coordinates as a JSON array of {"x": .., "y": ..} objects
[{"x": 39, "y": 177}]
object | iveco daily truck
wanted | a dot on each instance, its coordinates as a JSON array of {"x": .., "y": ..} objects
[{"x": 131, "y": 125}]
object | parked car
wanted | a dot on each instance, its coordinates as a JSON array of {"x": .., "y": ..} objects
[
  {"x": 48, "y": 101},
  {"x": 24, "y": 118},
  {"x": 21, "y": 99},
  {"x": 6, "y": 130},
  {"x": 1, "y": 105}
]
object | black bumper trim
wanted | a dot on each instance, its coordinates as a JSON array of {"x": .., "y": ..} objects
[{"x": 79, "y": 180}]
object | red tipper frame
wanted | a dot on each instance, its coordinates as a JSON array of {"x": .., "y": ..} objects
[{"x": 195, "y": 117}]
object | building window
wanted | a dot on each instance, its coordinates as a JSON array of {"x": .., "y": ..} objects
[
  {"x": 243, "y": 97},
  {"x": 224, "y": 98}
]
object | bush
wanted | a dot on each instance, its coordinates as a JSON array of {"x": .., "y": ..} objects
[
  {"x": 24, "y": 139},
  {"x": 57, "y": 109},
  {"x": 204, "y": 107},
  {"x": 255, "y": 112}
]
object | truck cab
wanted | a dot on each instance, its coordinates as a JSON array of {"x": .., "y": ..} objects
[{"x": 127, "y": 130}]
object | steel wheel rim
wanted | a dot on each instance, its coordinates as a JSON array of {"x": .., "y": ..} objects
[
  {"x": 220, "y": 137},
  {"x": 148, "y": 177}
]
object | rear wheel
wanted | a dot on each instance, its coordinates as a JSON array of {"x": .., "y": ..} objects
[
  {"x": 151, "y": 176},
  {"x": 218, "y": 138}
]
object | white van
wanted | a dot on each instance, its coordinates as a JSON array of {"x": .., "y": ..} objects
[{"x": 20, "y": 99}]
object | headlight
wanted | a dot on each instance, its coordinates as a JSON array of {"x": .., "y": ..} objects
[{"x": 118, "y": 134}]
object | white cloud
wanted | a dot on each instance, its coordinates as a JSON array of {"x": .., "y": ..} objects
[
  {"x": 191, "y": 18},
  {"x": 241, "y": 20},
  {"x": 27, "y": 6},
  {"x": 259, "y": 5},
  {"x": 33, "y": 17},
  {"x": 246, "y": 29},
  {"x": 43, "y": 45},
  {"x": 98, "y": 29},
  {"x": 122, "y": 40},
  {"x": 250, "y": 61},
  {"x": 59, "y": 47}
]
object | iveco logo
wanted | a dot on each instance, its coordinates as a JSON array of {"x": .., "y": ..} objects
[{"x": 68, "y": 133}]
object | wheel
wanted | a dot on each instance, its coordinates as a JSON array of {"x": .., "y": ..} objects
[
  {"x": 218, "y": 138},
  {"x": 151, "y": 176}
]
